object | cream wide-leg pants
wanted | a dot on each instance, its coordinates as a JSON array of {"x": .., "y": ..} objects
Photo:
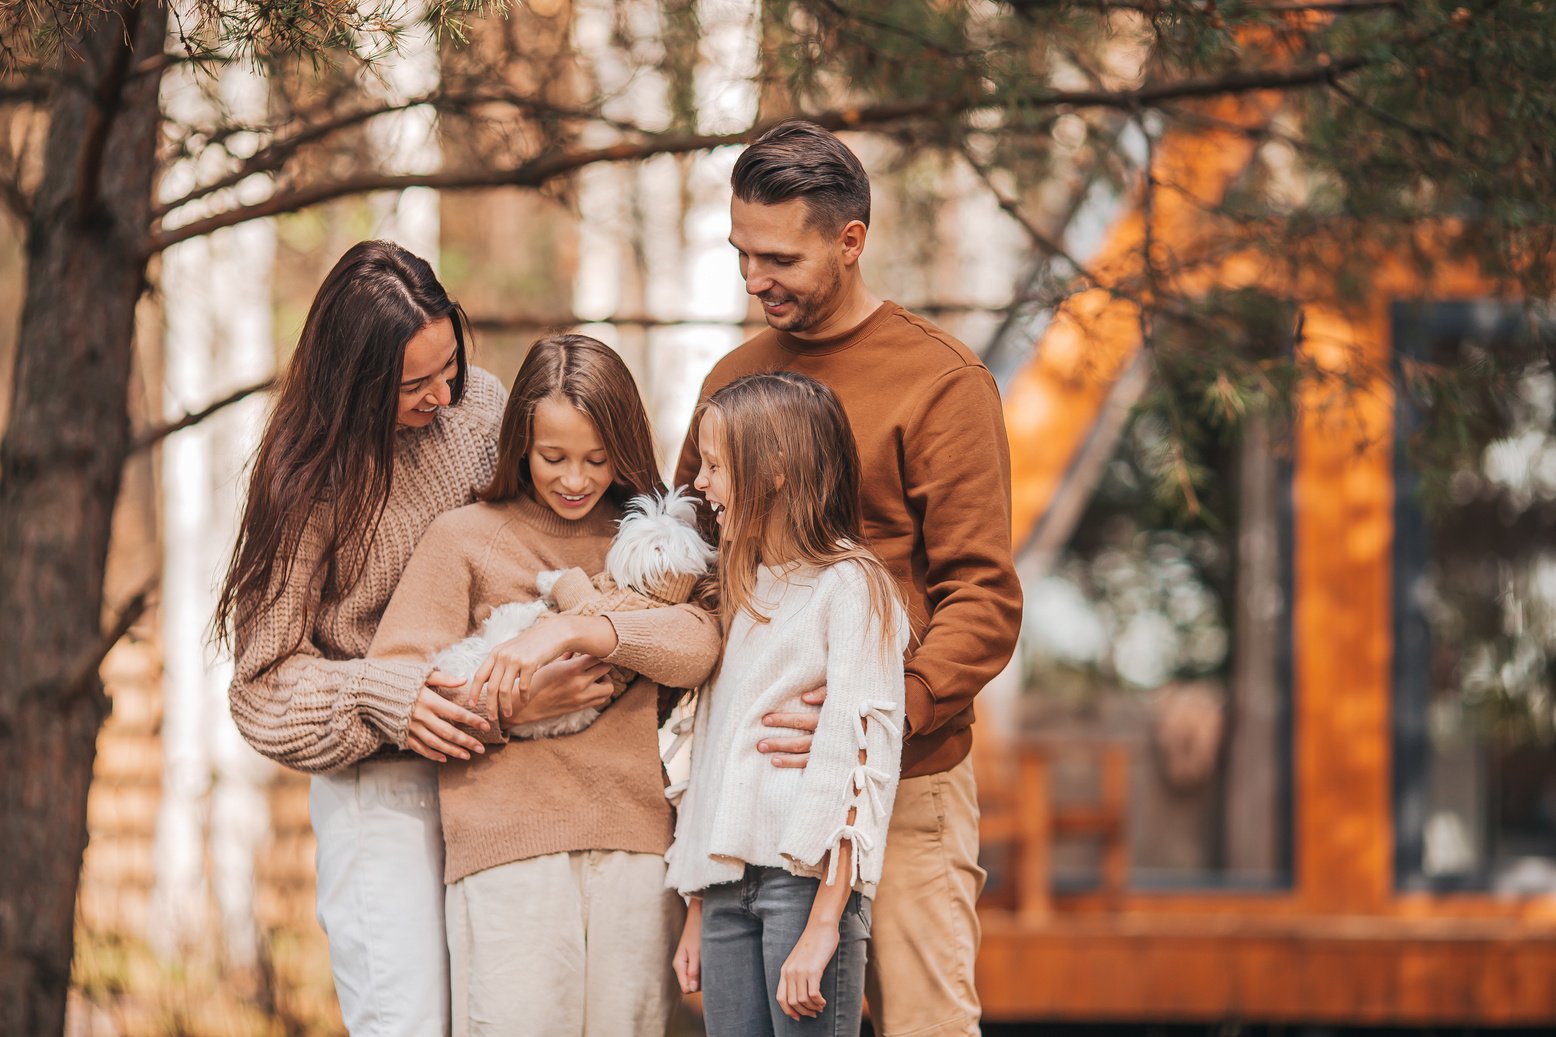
[
  {"x": 380, "y": 895},
  {"x": 564, "y": 945}
]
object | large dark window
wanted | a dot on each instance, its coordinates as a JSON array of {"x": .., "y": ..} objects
[
  {"x": 1475, "y": 599},
  {"x": 1168, "y": 633}
]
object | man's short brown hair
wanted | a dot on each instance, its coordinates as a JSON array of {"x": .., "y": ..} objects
[{"x": 798, "y": 159}]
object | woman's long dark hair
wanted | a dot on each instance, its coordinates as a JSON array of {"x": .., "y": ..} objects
[{"x": 331, "y": 432}]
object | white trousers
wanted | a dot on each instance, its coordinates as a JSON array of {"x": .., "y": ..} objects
[
  {"x": 565, "y": 945},
  {"x": 380, "y": 896}
]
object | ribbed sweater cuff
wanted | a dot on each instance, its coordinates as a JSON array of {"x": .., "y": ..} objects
[
  {"x": 920, "y": 705},
  {"x": 636, "y": 646},
  {"x": 674, "y": 589},
  {"x": 384, "y": 693}
]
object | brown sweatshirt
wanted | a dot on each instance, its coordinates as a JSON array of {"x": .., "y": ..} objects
[
  {"x": 599, "y": 789},
  {"x": 302, "y": 693},
  {"x": 936, "y": 470}
]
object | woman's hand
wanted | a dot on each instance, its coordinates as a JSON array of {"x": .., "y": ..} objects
[
  {"x": 688, "y": 953},
  {"x": 431, "y": 731},
  {"x": 511, "y": 667},
  {"x": 799, "y": 981},
  {"x": 565, "y": 686}
]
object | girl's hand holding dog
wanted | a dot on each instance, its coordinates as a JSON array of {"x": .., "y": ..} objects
[
  {"x": 565, "y": 686},
  {"x": 510, "y": 669}
]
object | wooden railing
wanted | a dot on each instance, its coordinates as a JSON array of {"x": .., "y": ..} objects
[{"x": 1022, "y": 820}]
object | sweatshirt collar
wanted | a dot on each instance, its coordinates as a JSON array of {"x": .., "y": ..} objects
[{"x": 837, "y": 343}]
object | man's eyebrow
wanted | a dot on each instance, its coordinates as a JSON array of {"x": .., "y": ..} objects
[
  {"x": 423, "y": 378},
  {"x": 764, "y": 255}
]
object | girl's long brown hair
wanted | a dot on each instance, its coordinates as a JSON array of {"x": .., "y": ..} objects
[
  {"x": 329, "y": 440},
  {"x": 794, "y": 490},
  {"x": 589, "y": 375}
]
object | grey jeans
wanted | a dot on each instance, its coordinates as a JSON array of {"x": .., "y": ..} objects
[{"x": 748, "y": 929}]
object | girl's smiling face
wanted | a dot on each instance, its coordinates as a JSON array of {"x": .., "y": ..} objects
[
  {"x": 569, "y": 468},
  {"x": 713, "y": 477}
]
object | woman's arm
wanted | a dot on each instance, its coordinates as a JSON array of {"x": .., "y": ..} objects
[
  {"x": 302, "y": 710},
  {"x": 430, "y": 610}
]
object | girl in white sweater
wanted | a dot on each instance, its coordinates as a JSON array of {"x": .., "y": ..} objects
[{"x": 779, "y": 864}]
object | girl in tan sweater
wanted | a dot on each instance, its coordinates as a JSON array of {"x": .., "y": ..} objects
[{"x": 558, "y": 920}]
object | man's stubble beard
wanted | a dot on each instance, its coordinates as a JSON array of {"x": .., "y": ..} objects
[{"x": 808, "y": 312}]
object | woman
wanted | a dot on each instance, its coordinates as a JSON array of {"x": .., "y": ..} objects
[{"x": 379, "y": 426}]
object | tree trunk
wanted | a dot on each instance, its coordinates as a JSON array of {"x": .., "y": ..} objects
[{"x": 60, "y": 466}]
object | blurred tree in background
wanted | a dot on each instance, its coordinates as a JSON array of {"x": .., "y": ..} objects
[{"x": 1417, "y": 131}]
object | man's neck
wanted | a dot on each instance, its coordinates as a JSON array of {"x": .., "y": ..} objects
[{"x": 854, "y": 309}]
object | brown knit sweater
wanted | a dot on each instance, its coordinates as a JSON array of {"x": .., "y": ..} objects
[
  {"x": 599, "y": 789},
  {"x": 307, "y": 697},
  {"x": 936, "y": 471}
]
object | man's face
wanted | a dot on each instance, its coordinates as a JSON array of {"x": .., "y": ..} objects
[{"x": 791, "y": 266}]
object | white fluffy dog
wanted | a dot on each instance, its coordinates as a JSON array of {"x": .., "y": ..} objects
[{"x": 655, "y": 559}]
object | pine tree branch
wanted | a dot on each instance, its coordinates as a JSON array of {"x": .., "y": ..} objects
[
  {"x": 1153, "y": 8},
  {"x": 27, "y": 91},
  {"x": 152, "y": 436},
  {"x": 273, "y": 156},
  {"x": 541, "y": 170},
  {"x": 82, "y": 674}
]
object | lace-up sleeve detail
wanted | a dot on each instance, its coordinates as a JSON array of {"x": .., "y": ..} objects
[{"x": 850, "y": 781}]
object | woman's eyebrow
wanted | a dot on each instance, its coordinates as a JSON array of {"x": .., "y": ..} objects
[{"x": 417, "y": 381}]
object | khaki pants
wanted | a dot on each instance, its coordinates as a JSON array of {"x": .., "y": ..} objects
[
  {"x": 924, "y": 940},
  {"x": 565, "y": 945}
]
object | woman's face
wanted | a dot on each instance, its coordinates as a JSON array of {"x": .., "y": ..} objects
[
  {"x": 568, "y": 466},
  {"x": 427, "y": 376}
]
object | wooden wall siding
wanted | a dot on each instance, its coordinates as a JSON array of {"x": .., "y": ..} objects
[
  {"x": 117, "y": 874},
  {"x": 1314, "y": 971}
]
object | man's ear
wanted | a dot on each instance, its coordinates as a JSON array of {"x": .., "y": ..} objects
[{"x": 850, "y": 241}]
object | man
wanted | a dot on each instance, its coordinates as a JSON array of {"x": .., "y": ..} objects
[{"x": 927, "y": 418}]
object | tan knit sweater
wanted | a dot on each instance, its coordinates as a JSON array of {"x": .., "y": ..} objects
[
  {"x": 599, "y": 789},
  {"x": 307, "y": 697}
]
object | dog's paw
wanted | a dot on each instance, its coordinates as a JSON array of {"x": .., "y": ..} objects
[{"x": 546, "y": 582}]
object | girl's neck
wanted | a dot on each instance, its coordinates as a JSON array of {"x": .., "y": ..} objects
[{"x": 599, "y": 522}]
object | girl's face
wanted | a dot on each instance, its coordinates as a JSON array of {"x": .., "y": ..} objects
[
  {"x": 427, "y": 374},
  {"x": 568, "y": 466},
  {"x": 713, "y": 477}
]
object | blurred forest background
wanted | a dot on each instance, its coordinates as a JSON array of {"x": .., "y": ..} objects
[{"x": 1163, "y": 188}]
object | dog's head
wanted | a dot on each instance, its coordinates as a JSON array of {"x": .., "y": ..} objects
[{"x": 658, "y": 541}]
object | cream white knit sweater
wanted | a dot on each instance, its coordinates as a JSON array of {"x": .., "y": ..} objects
[
  {"x": 738, "y": 808},
  {"x": 302, "y": 693}
]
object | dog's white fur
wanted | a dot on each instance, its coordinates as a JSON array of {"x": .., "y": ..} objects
[{"x": 657, "y": 538}]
